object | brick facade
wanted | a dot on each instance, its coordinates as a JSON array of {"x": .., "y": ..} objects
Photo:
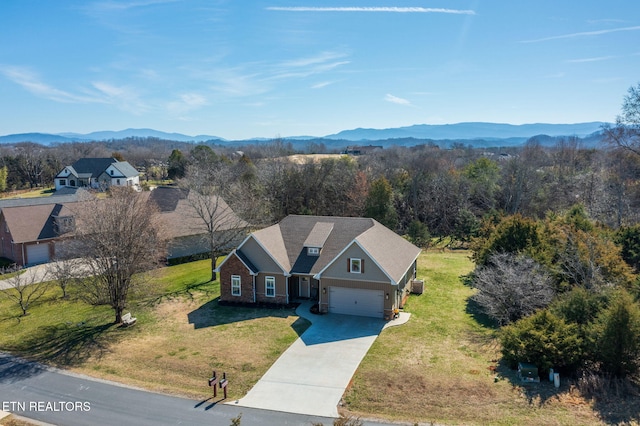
[{"x": 234, "y": 266}]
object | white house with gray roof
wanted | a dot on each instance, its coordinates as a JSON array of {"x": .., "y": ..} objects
[
  {"x": 98, "y": 173},
  {"x": 353, "y": 266}
]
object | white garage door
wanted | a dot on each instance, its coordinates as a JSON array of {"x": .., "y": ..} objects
[
  {"x": 355, "y": 301},
  {"x": 37, "y": 253}
]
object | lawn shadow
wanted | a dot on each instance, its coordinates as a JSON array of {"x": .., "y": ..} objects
[
  {"x": 188, "y": 292},
  {"x": 474, "y": 309},
  {"x": 13, "y": 369},
  {"x": 66, "y": 344},
  {"x": 212, "y": 314}
]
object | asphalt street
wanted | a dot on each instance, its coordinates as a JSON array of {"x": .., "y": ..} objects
[{"x": 56, "y": 397}]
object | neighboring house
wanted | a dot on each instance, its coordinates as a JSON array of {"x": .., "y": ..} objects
[
  {"x": 31, "y": 227},
  {"x": 28, "y": 234},
  {"x": 187, "y": 232},
  {"x": 98, "y": 173},
  {"x": 352, "y": 266},
  {"x": 362, "y": 150}
]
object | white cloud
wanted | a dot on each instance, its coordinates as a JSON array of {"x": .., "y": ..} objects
[
  {"x": 123, "y": 97},
  {"x": 583, "y": 34},
  {"x": 119, "y": 5},
  {"x": 597, "y": 59},
  {"x": 186, "y": 102},
  {"x": 31, "y": 82},
  {"x": 373, "y": 9},
  {"x": 321, "y": 85},
  {"x": 396, "y": 100}
]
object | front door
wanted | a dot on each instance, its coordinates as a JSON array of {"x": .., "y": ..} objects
[{"x": 304, "y": 289}]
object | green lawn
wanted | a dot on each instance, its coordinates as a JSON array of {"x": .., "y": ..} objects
[
  {"x": 180, "y": 336},
  {"x": 440, "y": 367}
]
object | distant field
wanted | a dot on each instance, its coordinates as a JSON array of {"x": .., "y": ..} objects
[
  {"x": 312, "y": 158},
  {"x": 28, "y": 193}
]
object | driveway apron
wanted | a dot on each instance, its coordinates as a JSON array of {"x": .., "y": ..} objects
[{"x": 311, "y": 376}]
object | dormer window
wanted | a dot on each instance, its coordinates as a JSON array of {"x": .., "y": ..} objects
[
  {"x": 313, "y": 251},
  {"x": 111, "y": 171}
]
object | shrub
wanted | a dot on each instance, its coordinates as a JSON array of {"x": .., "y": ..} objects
[
  {"x": 617, "y": 336},
  {"x": 544, "y": 340},
  {"x": 511, "y": 287}
]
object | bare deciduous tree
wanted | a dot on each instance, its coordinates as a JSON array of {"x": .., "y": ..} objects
[
  {"x": 626, "y": 133},
  {"x": 25, "y": 286},
  {"x": 209, "y": 189},
  {"x": 117, "y": 239},
  {"x": 512, "y": 286}
]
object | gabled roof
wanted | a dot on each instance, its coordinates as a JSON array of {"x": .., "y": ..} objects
[
  {"x": 126, "y": 169},
  {"x": 94, "y": 167},
  {"x": 33, "y": 223},
  {"x": 389, "y": 250},
  {"x": 286, "y": 243},
  {"x": 318, "y": 235}
]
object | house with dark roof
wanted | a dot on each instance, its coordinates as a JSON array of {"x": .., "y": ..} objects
[
  {"x": 98, "y": 173},
  {"x": 353, "y": 266}
]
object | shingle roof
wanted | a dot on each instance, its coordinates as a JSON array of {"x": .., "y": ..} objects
[
  {"x": 92, "y": 166},
  {"x": 126, "y": 169},
  {"x": 319, "y": 234},
  {"x": 180, "y": 217},
  {"x": 389, "y": 249},
  {"x": 60, "y": 196},
  {"x": 287, "y": 240},
  {"x": 33, "y": 223}
]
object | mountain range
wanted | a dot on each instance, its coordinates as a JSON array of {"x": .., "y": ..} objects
[{"x": 473, "y": 133}]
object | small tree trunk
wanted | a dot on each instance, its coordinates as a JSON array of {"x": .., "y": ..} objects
[
  {"x": 118, "y": 315},
  {"x": 214, "y": 264}
]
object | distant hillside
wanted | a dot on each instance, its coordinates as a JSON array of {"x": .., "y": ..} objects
[
  {"x": 140, "y": 133},
  {"x": 445, "y": 135},
  {"x": 487, "y": 131}
]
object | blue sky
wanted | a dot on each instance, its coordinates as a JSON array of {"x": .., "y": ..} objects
[{"x": 240, "y": 69}]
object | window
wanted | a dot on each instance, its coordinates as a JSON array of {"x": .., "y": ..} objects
[
  {"x": 63, "y": 182},
  {"x": 270, "y": 286},
  {"x": 235, "y": 285},
  {"x": 356, "y": 266},
  {"x": 313, "y": 251}
]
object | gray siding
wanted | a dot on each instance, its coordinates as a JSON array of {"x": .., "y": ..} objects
[
  {"x": 187, "y": 246},
  {"x": 259, "y": 258},
  {"x": 339, "y": 268}
]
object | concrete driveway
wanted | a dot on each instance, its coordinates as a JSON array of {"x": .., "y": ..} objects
[{"x": 311, "y": 376}]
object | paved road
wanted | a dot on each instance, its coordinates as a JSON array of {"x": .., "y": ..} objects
[
  {"x": 311, "y": 376},
  {"x": 31, "y": 390}
]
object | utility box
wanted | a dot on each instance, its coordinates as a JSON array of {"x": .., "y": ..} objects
[
  {"x": 528, "y": 372},
  {"x": 417, "y": 286}
]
